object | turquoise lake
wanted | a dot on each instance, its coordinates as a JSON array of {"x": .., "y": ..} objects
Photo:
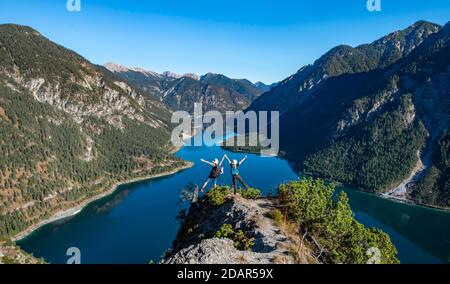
[{"x": 136, "y": 224}]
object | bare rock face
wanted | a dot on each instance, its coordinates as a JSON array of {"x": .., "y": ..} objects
[
  {"x": 107, "y": 102},
  {"x": 76, "y": 126},
  {"x": 218, "y": 251},
  {"x": 180, "y": 92},
  {"x": 195, "y": 242},
  {"x": 68, "y": 82},
  {"x": 343, "y": 59}
]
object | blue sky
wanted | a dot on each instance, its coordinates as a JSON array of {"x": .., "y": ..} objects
[{"x": 259, "y": 40}]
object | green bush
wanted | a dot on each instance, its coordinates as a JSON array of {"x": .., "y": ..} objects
[
  {"x": 329, "y": 220},
  {"x": 250, "y": 193},
  {"x": 218, "y": 195},
  {"x": 240, "y": 240},
  {"x": 307, "y": 200},
  {"x": 8, "y": 260},
  {"x": 277, "y": 216},
  {"x": 226, "y": 231}
]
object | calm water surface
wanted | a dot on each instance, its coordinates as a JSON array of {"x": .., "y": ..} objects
[{"x": 137, "y": 223}]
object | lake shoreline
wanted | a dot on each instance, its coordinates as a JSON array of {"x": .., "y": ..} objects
[
  {"x": 391, "y": 198},
  {"x": 63, "y": 214},
  {"x": 94, "y": 230},
  {"x": 386, "y": 197},
  {"x": 382, "y": 195}
]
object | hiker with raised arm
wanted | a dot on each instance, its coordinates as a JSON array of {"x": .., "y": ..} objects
[
  {"x": 235, "y": 172},
  {"x": 215, "y": 172}
]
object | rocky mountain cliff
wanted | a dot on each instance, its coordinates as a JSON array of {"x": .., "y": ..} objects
[
  {"x": 373, "y": 116},
  {"x": 305, "y": 222},
  {"x": 271, "y": 244},
  {"x": 179, "y": 92},
  {"x": 344, "y": 59},
  {"x": 69, "y": 130}
]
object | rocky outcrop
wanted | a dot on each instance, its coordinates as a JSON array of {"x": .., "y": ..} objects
[
  {"x": 220, "y": 251},
  {"x": 68, "y": 82},
  {"x": 195, "y": 242}
]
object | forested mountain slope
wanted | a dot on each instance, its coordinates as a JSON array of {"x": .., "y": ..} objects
[
  {"x": 369, "y": 127},
  {"x": 376, "y": 135},
  {"x": 69, "y": 130}
]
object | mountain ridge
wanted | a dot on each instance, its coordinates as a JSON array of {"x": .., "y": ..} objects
[
  {"x": 179, "y": 92},
  {"x": 371, "y": 126},
  {"x": 340, "y": 60},
  {"x": 76, "y": 128}
]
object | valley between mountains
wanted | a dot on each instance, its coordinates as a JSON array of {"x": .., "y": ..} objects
[{"x": 375, "y": 116}]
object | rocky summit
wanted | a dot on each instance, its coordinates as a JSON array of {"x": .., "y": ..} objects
[{"x": 271, "y": 244}]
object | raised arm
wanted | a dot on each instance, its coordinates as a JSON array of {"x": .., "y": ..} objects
[
  {"x": 207, "y": 162},
  {"x": 223, "y": 158},
  {"x": 245, "y": 158},
  {"x": 228, "y": 159}
]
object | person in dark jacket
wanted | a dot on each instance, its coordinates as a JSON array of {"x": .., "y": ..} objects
[
  {"x": 216, "y": 171},
  {"x": 235, "y": 172}
]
